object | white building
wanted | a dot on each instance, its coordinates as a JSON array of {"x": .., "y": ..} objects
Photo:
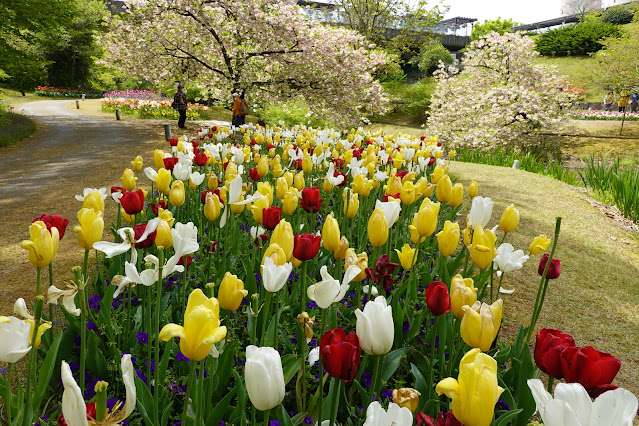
[{"x": 578, "y": 7}]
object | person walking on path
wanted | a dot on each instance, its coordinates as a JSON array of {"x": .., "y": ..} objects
[
  {"x": 623, "y": 101},
  {"x": 634, "y": 102},
  {"x": 179, "y": 103},
  {"x": 608, "y": 101},
  {"x": 240, "y": 110}
]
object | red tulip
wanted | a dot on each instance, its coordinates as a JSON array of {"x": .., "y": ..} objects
[
  {"x": 156, "y": 206},
  {"x": 383, "y": 272},
  {"x": 340, "y": 354},
  {"x": 588, "y": 366},
  {"x": 306, "y": 246},
  {"x": 216, "y": 192},
  {"x": 447, "y": 419},
  {"x": 297, "y": 164},
  {"x": 437, "y": 298},
  {"x": 133, "y": 202},
  {"x": 424, "y": 419},
  {"x": 554, "y": 270},
  {"x": 253, "y": 173},
  {"x": 117, "y": 189},
  {"x": 431, "y": 161},
  {"x": 200, "y": 159},
  {"x": 170, "y": 162},
  {"x": 91, "y": 414},
  {"x": 339, "y": 163},
  {"x": 54, "y": 221},
  {"x": 138, "y": 230},
  {"x": 271, "y": 217},
  {"x": 548, "y": 348},
  {"x": 189, "y": 259},
  {"x": 194, "y": 142},
  {"x": 173, "y": 142},
  {"x": 336, "y": 174},
  {"x": 357, "y": 153},
  {"x": 401, "y": 174},
  {"x": 386, "y": 196},
  {"x": 311, "y": 199}
]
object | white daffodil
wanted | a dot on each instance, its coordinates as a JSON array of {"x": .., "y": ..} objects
[
  {"x": 73, "y": 405},
  {"x": 88, "y": 191},
  {"x": 391, "y": 211},
  {"x": 235, "y": 191},
  {"x": 572, "y": 406},
  {"x": 54, "y": 294},
  {"x": 509, "y": 260},
  {"x": 274, "y": 277},
  {"x": 480, "y": 212},
  {"x": 20, "y": 309},
  {"x": 181, "y": 171},
  {"x": 128, "y": 241},
  {"x": 329, "y": 290}
]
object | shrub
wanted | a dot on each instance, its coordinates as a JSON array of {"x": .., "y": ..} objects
[
  {"x": 410, "y": 102},
  {"x": 430, "y": 56},
  {"x": 291, "y": 113},
  {"x": 622, "y": 14},
  {"x": 576, "y": 40}
]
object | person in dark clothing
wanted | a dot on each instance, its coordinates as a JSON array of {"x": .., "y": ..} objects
[
  {"x": 240, "y": 110},
  {"x": 179, "y": 103}
]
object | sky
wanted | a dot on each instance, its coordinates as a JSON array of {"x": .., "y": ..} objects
[{"x": 522, "y": 11}]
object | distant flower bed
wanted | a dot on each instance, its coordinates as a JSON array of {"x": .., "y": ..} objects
[
  {"x": 151, "y": 108},
  {"x": 67, "y": 93},
  {"x": 150, "y": 95},
  {"x": 603, "y": 115}
]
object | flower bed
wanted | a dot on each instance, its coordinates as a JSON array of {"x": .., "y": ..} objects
[
  {"x": 604, "y": 115},
  {"x": 150, "y": 95},
  {"x": 154, "y": 109},
  {"x": 296, "y": 275},
  {"x": 67, "y": 93}
]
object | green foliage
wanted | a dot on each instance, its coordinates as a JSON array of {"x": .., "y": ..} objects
[
  {"x": 292, "y": 113},
  {"x": 430, "y": 56},
  {"x": 614, "y": 183},
  {"x": 575, "y": 40},
  {"x": 622, "y": 14},
  {"x": 409, "y": 102},
  {"x": 498, "y": 25},
  {"x": 616, "y": 65},
  {"x": 14, "y": 127}
]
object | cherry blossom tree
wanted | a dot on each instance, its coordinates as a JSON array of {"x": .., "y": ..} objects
[
  {"x": 265, "y": 48},
  {"x": 500, "y": 95}
]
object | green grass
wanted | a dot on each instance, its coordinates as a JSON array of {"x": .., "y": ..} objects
[
  {"x": 14, "y": 127},
  {"x": 576, "y": 69}
]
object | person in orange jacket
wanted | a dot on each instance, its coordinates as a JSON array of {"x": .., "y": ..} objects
[{"x": 240, "y": 110}]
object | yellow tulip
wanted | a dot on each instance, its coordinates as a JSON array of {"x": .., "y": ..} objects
[
  {"x": 394, "y": 186},
  {"x": 472, "y": 189},
  {"x": 539, "y": 244},
  {"x": 129, "y": 180},
  {"x": 468, "y": 232},
  {"x": 330, "y": 233},
  {"x": 326, "y": 185},
  {"x": 289, "y": 176},
  {"x": 407, "y": 256},
  {"x": 291, "y": 200},
  {"x": 283, "y": 236},
  {"x": 129, "y": 218},
  {"x": 462, "y": 293},
  {"x": 307, "y": 164},
  {"x": 90, "y": 228},
  {"x": 212, "y": 182},
  {"x": 158, "y": 159},
  {"x": 437, "y": 174},
  {"x": 348, "y": 156},
  {"x": 42, "y": 245},
  {"x": 406, "y": 397},
  {"x": 448, "y": 238},
  {"x": 476, "y": 391},
  {"x": 235, "y": 208},
  {"x": 482, "y": 248},
  {"x": 281, "y": 188},
  {"x": 166, "y": 216},
  {"x": 342, "y": 248},
  {"x": 231, "y": 292},
  {"x": 277, "y": 170},
  {"x": 456, "y": 195},
  {"x": 230, "y": 172},
  {"x": 509, "y": 219},
  {"x": 177, "y": 194},
  {"x": 163, "y": 180},
  {"x": 94, "y": 200},
  {"x": 444, "y": 189},
  {"x": 163, "y": 236},
  {"x": 361, "y": 185},
  {"x": 212, "y": 207},
  {"x": 201, "y": 327},
  {"x": 298, "y": 181},
  {"x": 377, "y": 228},
  {"x": 351, "y": 206},
  {"x": 414, "y": 234},
  {"x": 409, "y": 177},
  {"x": 137, "y": 164},
  {"x": 257, "y": 208},
  {"x": 266, "y": 190},
  {"x": 408, "y": 193},
  {"x": 275, "y": 252},
  {"x": 360, "y": 260},
  {"x": 426, "y": 218},
  {"x": 480, "y": 324}
]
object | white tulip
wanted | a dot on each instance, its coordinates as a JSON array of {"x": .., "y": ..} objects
[
  {"x": 181, "y": 171},
  {"x": 329, "y": 290},
  {"x": 274, "y": 277},
  {"x": 147, "y": 277},
  {"x": 395, "y": 416},
  {"x": 391, "y": 211},
  {"x": 572, "y": 406},
  {"x": 87, "y": 191},
  {"x": 15, "y": 339},
  {"x": 313, "y": 356},
  {"x": 375, "y": 327},
  {"x": 235, "y": 190},
  {"x": 197, "y": 178},
  {"x": 264, "y": 377},
  {"x": 67, "y": 295},
  {"x": 509, "y": 260},
  {"x": 128, "y": 241},
  {"x": 20, "y": 309},
  {"x": 150, "y": 173},
  {"x": 480, "y": 212}
]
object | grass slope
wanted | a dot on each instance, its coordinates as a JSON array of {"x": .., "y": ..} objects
[
  {"x": 596, "y": 298},
  {"x": 14, "y": 128}
]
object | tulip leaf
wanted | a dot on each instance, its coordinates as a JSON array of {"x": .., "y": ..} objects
[
  {"x": 391, "y": 363},
  {"x": 420, "y": 385},
  {"x": 145, "y": 400},
  {"x": 225, "y": 366},
  {"x": 166, "y": 413},
  {"x": 241, "y": 398},
  {"x": 523, "y": 394},
  {"x": 362, "y": 392},
  {"x": 250, "y": 283},
  {"x": 506, "y": 418},
  {"x": 290, "y": 365},
  {"x": 283, "y": 417},
  {"x": 45, "y": 371},
  {"x": 95, "y": 356},
  {"x": 216, "y": 415},
  {"x": 166, "y": 355}
]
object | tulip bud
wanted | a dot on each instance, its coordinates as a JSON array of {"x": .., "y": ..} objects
[
  {"x": 407, "y": 256},
  {"x": 377, "y": 228},
  {"x": 482, "y": 248},
  {"x": 264, "y": 377},
  {"x": 212, "y": 207},
  {"x": 298, "y": 181},
  {"x": 94, "y": 200},
  {"x": 163, "y": 180},
  {"x": 281, "y": 188},
  {"x": 509, "y": 219},
  {"x": 351, "y": 205},
  {"x": 163, "y": 236},
  {"x": 426, "y": 218},
  {"x": 177, "y": 194},
  {"x": 231, "y": 292},
  {"x": 554, "y": 270},
  {"x": 480, "y": 324},
  {"x": 42, "y": 245},
  {"x": 375, "y": 327},
  {"x": 539, "y": 244},
  {"x": 262, "y": 166},
  {"x": 462, "y": 293},
  {"x": 330, "y": 233},
  {"x": 341, "y": 249},
  {"x": 444, "y": 189},
  {"x": 283, "y": 236},
  {"x": 158, "y": 159},
  {"x": 437, "y": 298},
  {"x": 456, "y": 195},
  {"x": 472, "y": 189},
  {"x": 137, "y": 164},
  {"x": 306, "y": 323},
  {"x": 129, "y": 180},
  {"x": 448, "y": 238},
  {"x": 90, "y": 229}
]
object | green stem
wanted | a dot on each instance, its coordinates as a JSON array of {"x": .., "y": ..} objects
[
  {"x": 84, "y": 269},
  {"x": 374, "y": 384},
  {"x": 335, "y": 402},
  {"x": 277, "y": 319},
  {"x": 303, "y": 288},
  {"x": 321, "y": 370},
  {"x": 189, "y": 385},
  {"x": 266, "y": 316},
  {"x": 156, "y": 329},
  {"x": 199, "y": 418},
  {"x": 551, "y": 381},
  {"x": 7, "y": 397},
  {"x": 50, "y": 284},
  {"x": 38, "y": 273},
  {"x": 267, "y": 414},
  {"x": 492, "y": 269},
  {"x": 83, "y": 335}
]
